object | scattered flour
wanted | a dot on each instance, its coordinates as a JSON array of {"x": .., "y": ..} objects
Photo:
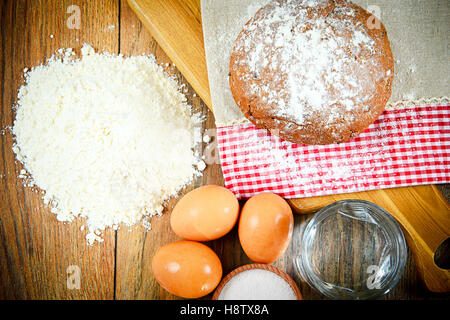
[
  {"x": 108, "y": 138},
  {"x": 276, "y": 157}
]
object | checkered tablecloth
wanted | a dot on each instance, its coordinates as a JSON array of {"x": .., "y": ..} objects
[{"x": 408, "y": 146}]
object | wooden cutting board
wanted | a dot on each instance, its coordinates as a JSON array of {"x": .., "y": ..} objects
[{"x": 422, "y": 211}]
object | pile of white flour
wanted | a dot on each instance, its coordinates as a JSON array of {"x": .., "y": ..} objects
[{"x": 105, "y": 137}]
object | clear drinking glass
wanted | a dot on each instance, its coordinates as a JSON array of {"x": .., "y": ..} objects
[{"x": 352, "y": 249}]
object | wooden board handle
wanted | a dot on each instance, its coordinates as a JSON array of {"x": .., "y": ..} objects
[{"x": 422, "y": 212}]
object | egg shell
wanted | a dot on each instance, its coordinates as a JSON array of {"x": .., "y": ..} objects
[
  {"x": 187, "y": 269},
  {"x": 265, "y": 227},
  {"x": 205, "y": 213}
]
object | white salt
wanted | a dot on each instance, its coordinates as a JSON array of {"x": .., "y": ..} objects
[{"x": 257, "y": 284}]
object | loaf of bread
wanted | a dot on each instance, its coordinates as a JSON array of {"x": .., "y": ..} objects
[{"x": 312, "y": 71}]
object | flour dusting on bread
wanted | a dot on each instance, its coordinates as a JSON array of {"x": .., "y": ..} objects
[{"x": 311, "y": 70}]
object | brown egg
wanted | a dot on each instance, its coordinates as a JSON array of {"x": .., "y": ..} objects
[
  {"x": 205, "y": 213},
  {"x": 265, "y": 227},
  {"x": 187, "y": 269}
]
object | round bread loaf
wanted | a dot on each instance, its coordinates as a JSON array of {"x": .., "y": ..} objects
[{"x": 312, "y": 71}]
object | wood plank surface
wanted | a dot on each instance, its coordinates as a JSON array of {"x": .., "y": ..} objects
[
  {"x": 177, "y": 27},
  {"x": 35, "y": 249},
  {"x": 135, "y": 248}
]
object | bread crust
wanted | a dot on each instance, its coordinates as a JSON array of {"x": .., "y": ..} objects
[{"x": 282, "y": 87}]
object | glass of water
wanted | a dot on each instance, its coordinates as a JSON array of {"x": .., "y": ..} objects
[{"x": 352, "y": 249}]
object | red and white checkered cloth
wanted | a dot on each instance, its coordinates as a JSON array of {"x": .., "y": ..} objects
[{"x": 409, "y": 146}]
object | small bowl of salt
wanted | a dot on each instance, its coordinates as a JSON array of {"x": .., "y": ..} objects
[{"x": 257, "y": 281}]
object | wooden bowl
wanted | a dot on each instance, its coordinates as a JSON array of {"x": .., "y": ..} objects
[{"x": 262, "y": 266}]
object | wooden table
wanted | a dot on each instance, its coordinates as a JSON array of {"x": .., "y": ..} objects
[{"x": 37, "y": 253}]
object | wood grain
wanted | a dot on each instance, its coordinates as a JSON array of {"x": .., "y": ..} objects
[
  {"x": 35, "y": 249},
  {"x": 135, "y": 249},
  {"x": 135, "y": 246},
  {"x": 177, "y": 27}
]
